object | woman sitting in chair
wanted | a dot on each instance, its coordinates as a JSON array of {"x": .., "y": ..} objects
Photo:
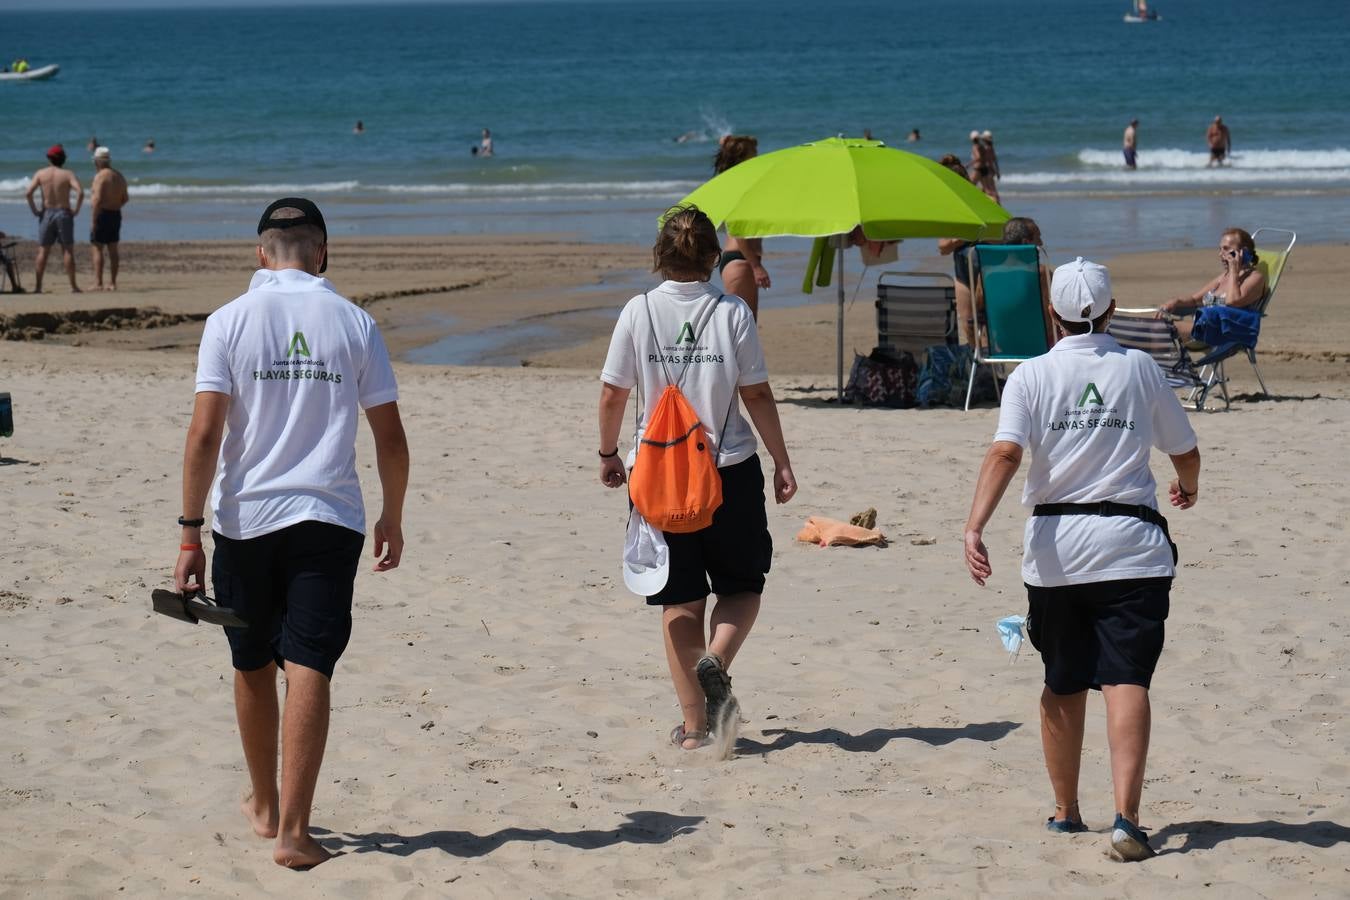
[{"x": 1239, "y": 285}]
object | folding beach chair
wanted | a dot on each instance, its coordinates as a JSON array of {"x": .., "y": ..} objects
[
  {"x": 9, "y": 268},
  {"x": 1011, "y": 327},
  {"x": 912, "y": 316},
  {"x": 1272, "y": 259},
  {"x": 1140, "y": 329}
]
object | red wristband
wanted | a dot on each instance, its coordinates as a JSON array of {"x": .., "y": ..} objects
[{"x": 189, "y": 546}]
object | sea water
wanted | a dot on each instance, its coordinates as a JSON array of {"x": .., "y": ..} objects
[{"x": 604, "y": 113}]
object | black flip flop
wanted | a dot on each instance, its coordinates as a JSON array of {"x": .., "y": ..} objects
[{"x": 194, "y": 608}]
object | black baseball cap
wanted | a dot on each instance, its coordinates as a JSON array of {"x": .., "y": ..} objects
[{"x": 310, "y": 215}]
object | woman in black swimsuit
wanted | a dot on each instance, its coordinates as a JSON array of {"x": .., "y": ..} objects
[{"x": 741, "y": 268}]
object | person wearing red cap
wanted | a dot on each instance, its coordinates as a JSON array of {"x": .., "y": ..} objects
[{"x": 56, "y": 219}]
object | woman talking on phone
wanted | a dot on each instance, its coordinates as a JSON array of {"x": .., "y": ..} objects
[{"x": 1239, "y": 284}]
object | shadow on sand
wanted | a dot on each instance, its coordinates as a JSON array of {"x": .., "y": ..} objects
[
  {"x": 874, "y": 740},
  {"x": 1207, "y": 834},
  {"x": 638, "y": 828}
]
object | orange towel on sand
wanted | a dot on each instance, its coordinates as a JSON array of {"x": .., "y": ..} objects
[{"x": 833, "y": 533}]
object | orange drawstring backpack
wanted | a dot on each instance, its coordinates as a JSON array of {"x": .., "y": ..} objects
[{"x": 674, "y": 483}]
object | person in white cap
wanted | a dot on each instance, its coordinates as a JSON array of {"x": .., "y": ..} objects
[
  {"x": 982, "y": 165},
  {"x": 108, "y": 196},
  {"x": 1098, "y": 561}
]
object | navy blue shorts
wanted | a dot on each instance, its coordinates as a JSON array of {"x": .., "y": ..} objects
[
  {"x": 294, "y": 588},
  {"x": 733, "y": 553},
  {"x": 1105, "y": 632}
]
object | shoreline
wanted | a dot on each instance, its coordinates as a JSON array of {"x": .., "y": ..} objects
[{"x": 551, "y": 301}]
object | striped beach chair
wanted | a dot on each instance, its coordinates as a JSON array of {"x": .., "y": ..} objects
[{"x": 914, "y": 316}]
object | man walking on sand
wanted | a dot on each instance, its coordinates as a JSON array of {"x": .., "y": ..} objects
[
  {"x": 56, "y": 219},
  {"x": 1131, "y": 139},
  {"x": 107, "y": 196},
  {"x": 281, "y": 373}
]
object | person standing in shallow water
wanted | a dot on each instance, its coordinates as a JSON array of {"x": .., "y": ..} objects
[
  {"x": 1098, "y": 561},
  {"x": 715, "y": 338},
  {"x": 282, "y": 375}
]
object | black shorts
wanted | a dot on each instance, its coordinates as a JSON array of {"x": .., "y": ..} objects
[
  {"x": 734, "y": 552},
  {"x": 107, "y": 227},
  {"x": 294, "y": 588},
  {"x": 1106, "y": 632},
  {"x": 961, "y": 264}
]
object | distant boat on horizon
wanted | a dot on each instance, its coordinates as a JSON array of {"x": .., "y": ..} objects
[
  {"x": 37, "y": 74},
  {"x": 1142, "y": 13}
]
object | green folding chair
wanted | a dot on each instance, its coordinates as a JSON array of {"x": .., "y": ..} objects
[{"x": 1011, "y": 327}]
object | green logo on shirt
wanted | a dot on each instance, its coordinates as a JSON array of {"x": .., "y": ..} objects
[
  {"x": 299, "y": 347},
  {"x": 686, "y": 330},
  {"x": 1091, "y": 394}
]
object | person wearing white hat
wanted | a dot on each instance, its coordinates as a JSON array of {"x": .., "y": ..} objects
[
  {"x": 1098, "y": 561},
  {"x": 982, "y": 165},
  {"x": 107, "y": 197}
]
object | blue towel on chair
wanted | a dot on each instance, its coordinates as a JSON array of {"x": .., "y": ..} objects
[{"x": 1216, "y": 325}]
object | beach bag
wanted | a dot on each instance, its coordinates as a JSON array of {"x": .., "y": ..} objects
[
  {"x": 883, "y": 378},
  {"x": 1219, "y": 325},
  {"x": 945, "y": 374},
  {"x": 674, "y": 483}
]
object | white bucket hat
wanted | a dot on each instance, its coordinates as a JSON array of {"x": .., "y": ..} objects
[
  {"x": 646, "y": 558},
  {"x": 1080, "y": 291}
]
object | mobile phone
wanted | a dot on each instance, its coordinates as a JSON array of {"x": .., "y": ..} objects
[{"x": 1246, "y": 257}]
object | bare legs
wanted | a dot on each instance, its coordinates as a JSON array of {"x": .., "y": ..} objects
[
  {"x": 40, "y": 267},
  {"x": 1062, "y": 740},
  {"x": 98, "y": 267},
  {"x": 304, "y": 734},
  {"x": 1127, "y": 729},
  {"x": 965, "y": 314},
  {"x": 682, "y": 629},
  {"x": 255, "y": 706},
  {"x": 739, "y": 278},
  {"x": 1129, "y": 719}
]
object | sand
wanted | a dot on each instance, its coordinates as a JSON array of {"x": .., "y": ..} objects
[{"x": 499, "y": 718}]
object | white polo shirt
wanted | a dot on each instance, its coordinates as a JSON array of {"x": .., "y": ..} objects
[
  {"x": 719, "y": 346},
  {"x": 296, "y": 359},
  {"x": 1089, "y": 411}
]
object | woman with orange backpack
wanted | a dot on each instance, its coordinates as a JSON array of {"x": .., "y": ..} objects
[{"x": 692, "y": 352}]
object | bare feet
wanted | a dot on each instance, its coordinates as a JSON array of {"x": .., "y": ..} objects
[
  {"x": 260, "y": 816},
  {"x": 112, "y": 287},
  {"x": 75, "y": 290},
  {"x": 301, "y": 853}
]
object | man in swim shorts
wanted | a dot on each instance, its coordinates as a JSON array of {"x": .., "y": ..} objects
[
  {"x": 1220, "y": 142},
  {"x": 282, "y": 374},
  {"x": 107, "y": 196},
  {"x": 56, "y": 218},
  {"x": 1129, "y": 148}
]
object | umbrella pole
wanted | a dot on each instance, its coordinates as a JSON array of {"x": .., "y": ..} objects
[{"x": 839, "y": 272}]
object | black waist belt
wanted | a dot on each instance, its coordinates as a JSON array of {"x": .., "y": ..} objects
[{"x": 1109, "y": 508}]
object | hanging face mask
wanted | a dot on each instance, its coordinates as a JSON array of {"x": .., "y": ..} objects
[{"x": 1011, "y": 630}]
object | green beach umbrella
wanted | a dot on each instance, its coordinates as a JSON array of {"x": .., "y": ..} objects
[{"x": 832, "y": 186}]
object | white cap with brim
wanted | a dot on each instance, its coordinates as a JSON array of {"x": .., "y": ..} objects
[
  {"x": 646, "y": 557},
  {"x": 102, "y": 153},
  {"x": 1080, "y": 291}
]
